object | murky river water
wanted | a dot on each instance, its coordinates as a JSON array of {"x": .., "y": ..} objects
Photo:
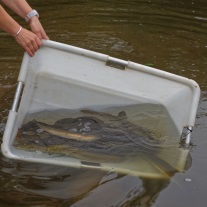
[{"x": 169, "y": 35}]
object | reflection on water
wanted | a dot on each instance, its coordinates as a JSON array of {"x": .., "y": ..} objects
[
  {"x": 170, "y": 35},
  {"x": 38, "y": 185}
]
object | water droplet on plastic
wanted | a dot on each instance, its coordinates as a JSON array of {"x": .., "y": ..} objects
[{"x": 188, "y": 179}]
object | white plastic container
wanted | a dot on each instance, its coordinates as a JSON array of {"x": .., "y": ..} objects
[{"x": 60, "y": 76}]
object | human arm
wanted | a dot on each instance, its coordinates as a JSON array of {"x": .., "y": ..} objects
[
  {"x": 22, "y": 8},
  {"x": 28, "y": 40}
]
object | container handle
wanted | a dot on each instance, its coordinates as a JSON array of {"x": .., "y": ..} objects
[{"x": 17, "y": 96}]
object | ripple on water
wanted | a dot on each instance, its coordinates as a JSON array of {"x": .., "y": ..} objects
[{"x": 98, "y": 41}]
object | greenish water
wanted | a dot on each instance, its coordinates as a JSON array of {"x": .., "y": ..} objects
[
  {"x": 169, "y": 35},
  {"x": 139, "y": 140}
]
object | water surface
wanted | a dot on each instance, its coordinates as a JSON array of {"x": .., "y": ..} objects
[{"x": 169, "y": 35}]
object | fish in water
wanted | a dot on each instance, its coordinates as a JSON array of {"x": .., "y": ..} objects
[
  {"x": 65, "y": 134},
  {"x": 106, "y": 139}
]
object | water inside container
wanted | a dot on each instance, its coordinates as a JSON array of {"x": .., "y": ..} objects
[{"x": 138, "y": 136}]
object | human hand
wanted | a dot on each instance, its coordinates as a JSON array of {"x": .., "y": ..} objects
[
  {"x": 37, "y": 28},
  {"x": 29, "y": 41}
]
